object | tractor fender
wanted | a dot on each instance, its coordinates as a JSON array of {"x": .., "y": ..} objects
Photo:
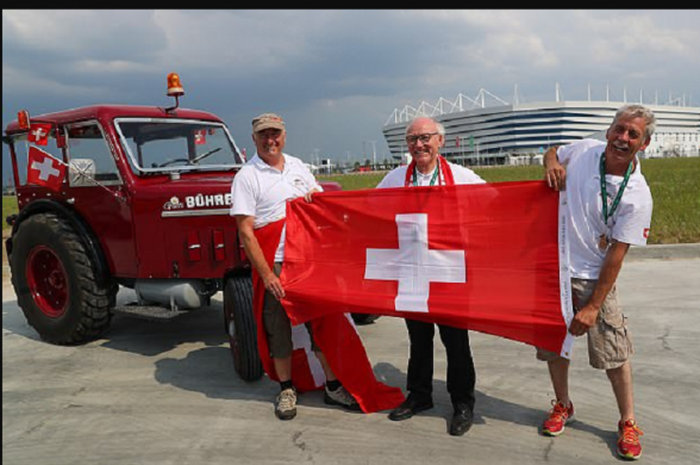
[{"x": 92, "y": 244}]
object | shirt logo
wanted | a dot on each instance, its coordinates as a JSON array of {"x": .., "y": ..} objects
[{"x": 300, "y": 184}]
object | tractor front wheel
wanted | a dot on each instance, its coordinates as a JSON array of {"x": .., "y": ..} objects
[{"x": 55, "y": 282}]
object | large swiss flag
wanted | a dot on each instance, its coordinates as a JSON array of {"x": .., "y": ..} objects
[{"x": 485, "y": 257}]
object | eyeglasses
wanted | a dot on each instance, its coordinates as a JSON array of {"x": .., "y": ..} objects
[{"x": 425, "y": 138}]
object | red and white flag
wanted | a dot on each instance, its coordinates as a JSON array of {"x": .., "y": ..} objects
[
  {"x": 45, "y": 170},
  {"x": 335, "y": 334},
  {"x": 39, "y": 133},
  {"x": 485, "y": 257},
  {"x": 200, "y": 137}
]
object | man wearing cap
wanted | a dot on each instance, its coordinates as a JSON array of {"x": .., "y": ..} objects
[{"x": 260, "y": 191}]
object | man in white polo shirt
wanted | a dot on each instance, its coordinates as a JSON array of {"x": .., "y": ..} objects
[
  {"x": 609, "y": 209},
  {"x": 260, "y": 192}
]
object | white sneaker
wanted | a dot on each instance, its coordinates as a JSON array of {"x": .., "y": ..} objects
[
  {"x": 286, "y": 406},
  {"x": 341, "y": 397}
]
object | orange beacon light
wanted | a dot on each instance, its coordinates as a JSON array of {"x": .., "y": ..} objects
[
  {"x": 174, "y": 87},
  {"x": 23, "y": 119}
]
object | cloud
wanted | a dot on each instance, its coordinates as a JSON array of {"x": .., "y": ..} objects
[
  {"x": 337, "y": 75},
  {"x": 55, "y": 35}
]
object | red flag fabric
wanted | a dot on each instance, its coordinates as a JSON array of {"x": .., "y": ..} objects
[
  {"x": 484, "y": 257},
  {"x": 335, "y": 334},
  {"x": 44, "y": 170},
  {"x": 39, "y": 133}
]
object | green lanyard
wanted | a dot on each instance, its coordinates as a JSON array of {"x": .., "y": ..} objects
[
  {"x": 432, "y": 180},
  {"x": 604, "y": 192}
]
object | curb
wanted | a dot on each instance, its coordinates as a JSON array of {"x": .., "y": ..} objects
[{"x": 665, "y": 252}]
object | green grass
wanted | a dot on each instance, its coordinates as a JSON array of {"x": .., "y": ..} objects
[
  {"x": 675, "y": 188},
  {"x": 9, "y": 206},
  {"x": 674, "y": 184},
  {"x": 356, "y": 181},
  {"x": 351, "y": 182}
]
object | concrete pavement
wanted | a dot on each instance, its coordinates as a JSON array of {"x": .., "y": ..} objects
[{"x": 166, "y": 393}]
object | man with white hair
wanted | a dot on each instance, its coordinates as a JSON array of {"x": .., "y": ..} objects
[
  {"x": 609, "y": 208},
  {"x": 425, "y": 137}
]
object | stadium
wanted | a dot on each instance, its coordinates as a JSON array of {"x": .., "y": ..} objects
[{"x": 487, "y": 130}]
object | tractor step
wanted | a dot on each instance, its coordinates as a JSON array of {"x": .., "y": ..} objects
[{"x": 149, "y": 312}]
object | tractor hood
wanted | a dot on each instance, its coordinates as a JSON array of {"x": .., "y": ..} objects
[
  {"x": 183, "y": 227},
  {"x": 196, "y": 196}
]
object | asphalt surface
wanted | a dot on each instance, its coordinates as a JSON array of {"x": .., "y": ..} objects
[{"x": 166, "y": 393}]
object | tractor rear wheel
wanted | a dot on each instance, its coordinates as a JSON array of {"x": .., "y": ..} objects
[{"x": 241, "y": 327}]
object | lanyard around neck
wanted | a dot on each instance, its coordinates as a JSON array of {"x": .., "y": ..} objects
[
  {"x": 432, "y": 180},
  {"x": 604, "y": 191}
]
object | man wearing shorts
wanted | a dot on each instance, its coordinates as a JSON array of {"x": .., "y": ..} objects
[
  {"x": 260, "y": 191},
  {"x": 609, "y": 209}
]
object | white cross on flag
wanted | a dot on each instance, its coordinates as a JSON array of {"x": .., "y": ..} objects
[
  {"x": 484, "y": 257},
  {"x": 39, "y": 133},
  {"x": 413, "y": 265},
  {"x": 45, "y": 170}
]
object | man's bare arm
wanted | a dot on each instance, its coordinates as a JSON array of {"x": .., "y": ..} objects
[
  {"x": 588, "y": 314},
  {"x": 555, "y": 173}
]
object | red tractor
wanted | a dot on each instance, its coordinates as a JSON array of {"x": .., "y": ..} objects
[{"x": 140, "y": 199}]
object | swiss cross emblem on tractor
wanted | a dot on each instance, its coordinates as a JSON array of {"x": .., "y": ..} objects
[{"x": 128, "y": 197}]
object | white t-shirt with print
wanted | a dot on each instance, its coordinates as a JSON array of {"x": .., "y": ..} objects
[
  {"x": 629, "y": 223},
  {"x": 261, "y": 191}
]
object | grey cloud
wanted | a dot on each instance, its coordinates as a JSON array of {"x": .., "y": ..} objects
[{"x": 338, "y": 74}]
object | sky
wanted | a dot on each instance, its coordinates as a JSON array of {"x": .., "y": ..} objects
[{"x": 336, "y": 76}]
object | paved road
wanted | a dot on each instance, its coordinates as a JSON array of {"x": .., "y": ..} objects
[{"x": 166, "y": 393}]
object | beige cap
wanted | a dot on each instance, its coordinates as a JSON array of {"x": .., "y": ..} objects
[{"x": 267, "y": 121}]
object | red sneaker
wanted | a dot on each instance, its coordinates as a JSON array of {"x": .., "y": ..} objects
[
  {"x": 559, "y": 416},
  {"x": 628, "y": 445}
]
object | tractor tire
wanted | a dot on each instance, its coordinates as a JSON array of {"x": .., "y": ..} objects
[
  {"x": 241, "y": 327},
  {"x": 56, "y": 284},
  {"x": 364, "y": 318}
]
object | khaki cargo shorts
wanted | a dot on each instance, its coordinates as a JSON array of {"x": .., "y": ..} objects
[
  {"x": 609, "y": 341},
  {"x": 278, "y": 328}
]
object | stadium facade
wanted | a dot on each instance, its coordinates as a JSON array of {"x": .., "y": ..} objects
[{"x": 506, "y": 133}]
